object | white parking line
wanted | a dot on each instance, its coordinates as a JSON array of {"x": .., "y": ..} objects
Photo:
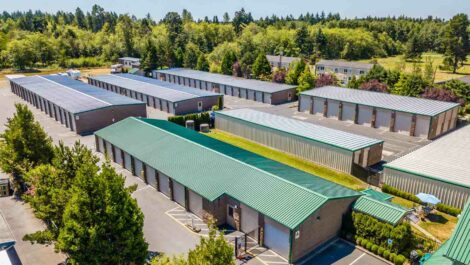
[{"x": 356, "y": 260}]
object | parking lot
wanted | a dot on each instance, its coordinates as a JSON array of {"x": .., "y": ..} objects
[
  {"x": 342, "y": 253},
  {"x": 396, "y": 145}
]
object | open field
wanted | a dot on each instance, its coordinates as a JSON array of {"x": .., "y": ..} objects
[
  {"x": 398, "y": 62},
  {"x": 304, "y": 165}
]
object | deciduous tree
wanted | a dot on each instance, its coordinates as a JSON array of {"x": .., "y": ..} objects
[{"x": 456, "y": 41}]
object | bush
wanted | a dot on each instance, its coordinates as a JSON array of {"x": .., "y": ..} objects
[
  {"x": 358, "y": 241},
  {"x": 364, "y": 242},
  {"x": 392, "y": 257},
  {"x": 386, "y": 254},
  {"x": 399, "y": 260},
  {"x": 374, "y": 248},
  {"x": 198, "y": 119},
  {"x": 381, "y": 251},
  {"x": 406, "y": 195},
  {"x": 448, "y": 209},
  {"x": 82, "y": 62},
  {"x": 369, "y": 245}
]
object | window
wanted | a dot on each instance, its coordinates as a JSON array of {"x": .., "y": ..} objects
[
  {"x": 345, "y": 71},
  {"x": 361, "y": 72},
  {"x": 199, "y": 104},
  {"x": 336, "y": 70}
]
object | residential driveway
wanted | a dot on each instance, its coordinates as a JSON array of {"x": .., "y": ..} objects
[
  {"x": 396, "y": 145},
  {"x": 342, "y": 253}
]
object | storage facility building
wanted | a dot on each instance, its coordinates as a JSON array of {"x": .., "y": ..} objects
[
  {"x": 441, "y": 168},
  {"x": 332, "y": 148},
  {"x": 77, "y": 105},
  {"x": 171, "y": 98},
  {"x": 407, "y": 115},
  {"x": 261, "y": 91},
  {"x": 285, "y": 209}
]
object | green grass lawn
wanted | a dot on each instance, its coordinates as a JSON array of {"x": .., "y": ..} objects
[
  {"x": 397, "y": 62},
  {"x": 293, "y": 161}
]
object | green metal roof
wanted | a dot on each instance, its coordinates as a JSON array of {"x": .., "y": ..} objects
[
  {"x": 459, "y": 242},
  {"x": 377, "y": 195},
  {"x": 213, "y": 168},
  {"x": 382, "y": 210},
  {"x": 438, "y": 258}
]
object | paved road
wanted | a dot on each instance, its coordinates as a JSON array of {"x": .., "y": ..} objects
[
  {"x": 343, "y": 253},
  {"x": 396, "y": 145}
]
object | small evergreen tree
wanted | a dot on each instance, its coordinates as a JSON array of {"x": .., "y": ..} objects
[
  {"x": 411, "y": 85},
  {"x": 261, "y": 68},
  {"x": 24, "y": 144},
  {"x": 150, "y": 58},
  {"x": 202, "y": 64},
  {"x": 191, "y": 55},
  {"x": 306, "y": 80},
  {"x": 227, "y": 62},
  {"x": 295, "y": 69}
]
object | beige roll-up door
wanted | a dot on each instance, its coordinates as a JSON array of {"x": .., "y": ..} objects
[
  {"x": 195, "y": 203},
  {"x": 178, "y": 194}
]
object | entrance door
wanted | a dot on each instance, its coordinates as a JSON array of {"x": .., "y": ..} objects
[
  {"x": 231, "y": 215},
  {"x": 249, "y": 222},
  {"x": 199, "y": 105}
]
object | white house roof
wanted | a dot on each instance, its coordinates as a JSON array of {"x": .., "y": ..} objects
[
  {"x": 446, "y": 159},
  {"x": 339, "y": 63}
]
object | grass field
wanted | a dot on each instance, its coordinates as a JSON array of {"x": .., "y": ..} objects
[
  {"x": 304, "y": 165},
  {"x": 397, "y": 62}
]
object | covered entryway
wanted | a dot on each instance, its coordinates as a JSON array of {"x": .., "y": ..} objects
[
  {"x": 127, "y": 162},
  {"x": 403, "y": 123},
  {"x": 139, "y": 169},
  {"x": 365, "y": 115},
  {"x": 195, "y": 203},
  {"x": 383, "y": 119},
  {"x": 349, "y": 112},
  {"x": 164, "y": 182},
  {"x": 249, "y": 222},
  {"x": 276, "y": 237},
  {"x": 151, "y": 177},
  {"x": 422, "y": 126},
  {"x": 178, "y": 194}
]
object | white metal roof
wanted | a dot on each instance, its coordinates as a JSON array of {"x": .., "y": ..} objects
[
  {"x": 340, "y": 63},
  {"x": 413, "y": 105},
  {"x": 446, "y": 159},
  {"x": 343, "y": 140},
  {"x": 263, "y": 86}
]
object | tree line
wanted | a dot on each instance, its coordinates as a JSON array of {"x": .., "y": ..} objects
[{"x": 90, "y": 214}]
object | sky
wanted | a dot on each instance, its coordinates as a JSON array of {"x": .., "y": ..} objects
[{"x": 259, "y": 8}]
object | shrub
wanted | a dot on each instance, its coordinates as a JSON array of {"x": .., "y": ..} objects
[
  {"x": 406, "y": 195},
  {"x": 448, "y": 209},
  {"x": 386, "y": 254},
  {"x": 381, "y": 251},
  {"x": 369, "y": 245},
  {"x": 374, "y": 248},
  {"x": 364, "y": 242},
  {"x": 358, "y": 240},
  {"x": 392, "y": 257},
  {"x": 399, "y": 260},
  {"x": 198, "y": 119}
]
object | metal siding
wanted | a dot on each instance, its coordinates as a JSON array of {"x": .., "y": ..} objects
[
  {"x": 453, "y": 195},
  {"x": 349, "y": 112},
  {"x": 317, "y": 152},
  {"x": 333, "y": 109},
  {"x": 318, "y": 105},
  {"x": 305, "y": 103},
  {"x": 277, "y": 237},
  {"x": 178, "y": 193},
  {"x": 403, "y": 123},
  {"x": 383, "y": 119},
  {"x": 364, "y": 116},
  {"x": 422, "y": 126}
]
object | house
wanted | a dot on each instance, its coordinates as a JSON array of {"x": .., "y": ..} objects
[
  {"x": 343, "y": 70},
  {"x": 411, "y": 116},
  {"x": 172, "y": 98},
  {"x": 5, "y": 189},
  {"x": 441, "y": 168},
  {"x": 280, "y": 207},
  {"x": 280, "y": 61},
  {"x": 335, "y": 149},
  {"x": 129, "y": 62},
  {"x": 455, "y": 251},
  {"x": 81, "y": 107},
  {"x": 261, "y": 91}
]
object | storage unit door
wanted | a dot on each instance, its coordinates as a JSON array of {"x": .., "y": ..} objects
[
  {"x": 127, "y": 162},
  {"x": 151, "y": 178},
  {"x": 349, "y": 112},
  {"x": 171, "y": 107},
  {"x": 259, "y": 96},
  {"x": 276, "y": 237},
  {"x": 242, "y": 93},
  {"x": 139, "y": 168},
  {"x": 383, "y": 118},
  {"x": 236, "y": 92},
  {"x": 118, "y": 155},
  {"x": 333, "y": 109},
  {"x": 164, "y": 184},
  {"x": 318, "y": 104},
  {"x": 365, "y": 115},
  {"x": 267, "y": 98},
  {"x": 249, "y": 221},
  {"x": 228, "y": 90},
  {"x": 251, "y": 95},
  {"x": 195, "y": 203},
  {"x": 178, "y": 193},
  {"x": 305, "y": 103},
  {"x": 101, "y": 145},
  {"x": 157, "y": 103},
  {"x": 403, "y": 123},
  {"x": 109, "y": 150},
  {"x": 164, "y": 105},
  {"x": 422, "y": 126}
]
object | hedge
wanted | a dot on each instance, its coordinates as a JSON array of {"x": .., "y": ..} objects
[
  {"x": 411, "y": 197},
  {"x": 382, "y": 252},
  {"x": 198, "y": 119}
]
